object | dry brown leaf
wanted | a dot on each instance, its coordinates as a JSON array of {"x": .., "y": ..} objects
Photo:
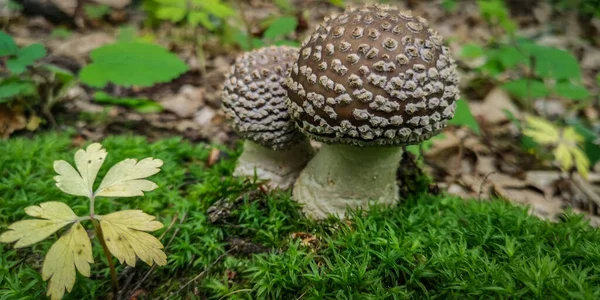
[
  {"x": 491, "y": 109},
  {"x": 204, "y": 116},
  {"x": 186, "y": 102},
  {"x": 79, "y": 46},
  {"x": 11, "y": 120}
]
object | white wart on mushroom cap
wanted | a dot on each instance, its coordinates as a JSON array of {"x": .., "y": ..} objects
[
  {"x": 254, "y": 97},
  {"x": 373, "y": 76}
]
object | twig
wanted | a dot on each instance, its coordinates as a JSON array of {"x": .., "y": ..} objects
[
  {"x": 485, "y": 178},
  {"x": 203, "y": 272},
  {"x": 586, "y": 188}
]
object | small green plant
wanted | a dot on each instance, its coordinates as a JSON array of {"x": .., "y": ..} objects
[
  {"x": 496, "y": 13},
  {"x": 464, "y": 117},
  {"x": 96, "y": 12},
  {"x": 29, "y": 83},
  {"x": 141, "y": 105},
  {"x": 566, "y": 143},
  {"x": 194, "y": 12},
  {"x": 61, "y": 33},
  {"x": 275, "y": 34},
  {"x": 122, "y": 234}
]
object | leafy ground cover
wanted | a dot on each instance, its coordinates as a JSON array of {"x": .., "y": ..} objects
[{"x": 227, "y": 239}]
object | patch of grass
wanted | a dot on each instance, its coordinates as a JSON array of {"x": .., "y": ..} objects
[{"x": 429, "y": 247}]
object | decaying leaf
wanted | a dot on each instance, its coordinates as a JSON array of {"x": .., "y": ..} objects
[
  {"x": 53, "y": 215},
  {"x": 125, "y": 237},
  {"x": 566, "y": 143},
  {"x": 80, "y": 182},
  {"x": 11, "y": 120},
  {"x": 72, "y": 250},
  {"x": 125, "y": 179}
]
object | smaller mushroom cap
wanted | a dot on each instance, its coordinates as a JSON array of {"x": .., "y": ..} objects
[
  {"x": 373, "y": 76},
  {"x": 254, "y": 97}
]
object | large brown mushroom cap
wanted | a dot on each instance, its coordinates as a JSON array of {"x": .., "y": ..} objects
[
  {"x": 254, "y": 97},
  {"x": 373, "y": 76}
]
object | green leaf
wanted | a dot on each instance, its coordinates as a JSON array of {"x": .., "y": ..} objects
[
  {"x": 525, "y": 88},
  {"x": 61, "y": 33},
  {"x": 449, "y": 5},
  {"x": 471, "y": 51},
  {"x": 195, "y": 18},
  {"x": 281, "y": 27},
  {"x": 288, "y": 43},
  {"x": 591, "y": 145},
  {"x": 216, "y": 8},
  {"x": 568, "y": 90},
  {"x": 552, "y": 62},
  {"x": 511, "y": 57},
  {"x": 7, "y": 44},
  {"x": 25, "y": 57},
  {"x": 32, "y": 52},
  {"x": 10, "y": 89},
  {"x": 129, "y": 64},
  {"x": 169, "y": 13},
  {"x": 96, "y": 12},
  {"x": 338, "y": 3},
  {"x": 139, "y": 104},
  {"x": 464, "y": 117},
  {"x": 127, "y": 34}
]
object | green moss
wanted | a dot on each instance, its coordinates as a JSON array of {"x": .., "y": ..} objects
[{"x": 429, "y": 247}]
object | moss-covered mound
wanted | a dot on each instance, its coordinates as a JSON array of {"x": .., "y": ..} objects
[{"x": 242, "y": 244}]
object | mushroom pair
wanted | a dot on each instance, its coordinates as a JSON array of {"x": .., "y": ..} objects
[
  {"x": 254, "y": 100},
  {"x": 366, "y": 82}
]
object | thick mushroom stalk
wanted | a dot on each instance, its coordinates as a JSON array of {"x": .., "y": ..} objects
[
  {"x": 279, "y": 167},
  {"x": 367, "y": 82},
  {"x": 254, "y": 101},
  {"x": 342, "y": 176}
]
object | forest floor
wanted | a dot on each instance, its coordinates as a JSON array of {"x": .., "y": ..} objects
[{"x": 489, "y": 164}]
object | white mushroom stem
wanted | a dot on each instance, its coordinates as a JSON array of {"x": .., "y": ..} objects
[
  {"x": 341, "y": 176},
  {"x": 279, "y": 167}
]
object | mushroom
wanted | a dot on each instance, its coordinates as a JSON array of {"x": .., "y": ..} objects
[
  {"x": 254, "y": 101},
  {"x": 366, "y": 82}
]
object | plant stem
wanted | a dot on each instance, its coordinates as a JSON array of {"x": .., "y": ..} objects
[
  {"x": 100, "y": 235},
  {"x": 111, "y": 265}
]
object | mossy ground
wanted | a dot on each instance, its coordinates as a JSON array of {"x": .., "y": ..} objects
[{"x": 427, "y": 247}]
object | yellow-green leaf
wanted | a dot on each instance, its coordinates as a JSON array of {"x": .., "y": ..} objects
[
  {"x": 563, "y": 155},
  {"x": 125, "y": 237},
  {"x": 125, "y": 179},
  {"x": 571, "y": 135},
  {"x": 80, "y": 182},
  {"x": 582, "y": 162},
  {"x": 54, "y": 215},
  {"x": 541, "y": 131},
  {"x": 72, "y": 250}
]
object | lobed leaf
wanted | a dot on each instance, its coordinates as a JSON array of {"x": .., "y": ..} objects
[
  {"x": 72, "y": 250},
  {"x": 25, "y": 57},
  {"x": 464, "y": 117},
  {"x": 125, "y": 237},
  {"x": 125, "y": 179},
  {"x": 541, "y": 131},
  {"x": 54, "y": 215},
  {"x": 80, "y": 182},
  {"x": 526, "y": 88},
  {"x": 131, "y": 63},
  {"x": 7, "y": 44},
  {"x": 280, "y": 27},
  {"x": 10, "y": 89}
]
